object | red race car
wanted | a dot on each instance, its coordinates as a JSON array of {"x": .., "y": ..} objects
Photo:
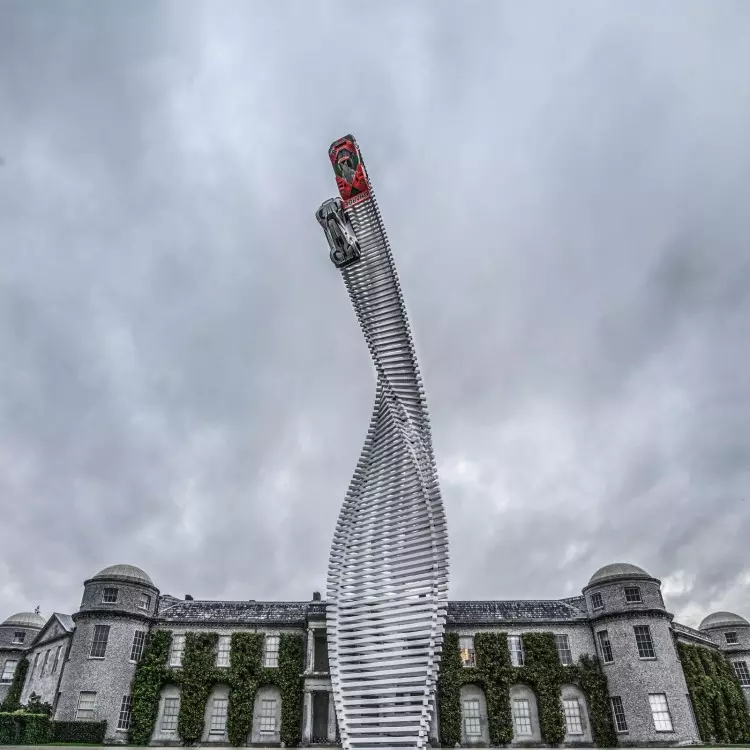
[{"x": 349, "y": 168}]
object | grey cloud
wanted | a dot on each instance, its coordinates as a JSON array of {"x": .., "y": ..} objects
[{"x": 183, "y": 385}]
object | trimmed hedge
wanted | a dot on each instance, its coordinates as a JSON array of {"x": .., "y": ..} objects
[
  {"x": 718, "y": 702},
  {"x": 198, "y": 675},
  {"x": 91, "y": 732},
  {"x": 21, "y": 728},
  {"x": 542, "y": 672}
]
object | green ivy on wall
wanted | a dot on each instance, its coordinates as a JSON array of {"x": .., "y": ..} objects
[
  {"x": 12, "y": 701},
  {"x": 199, "y": 675},
  {"x": 718, "y": 702},
  {"x": 151, "y": 675},
  {"x": 542, "y": 672}
]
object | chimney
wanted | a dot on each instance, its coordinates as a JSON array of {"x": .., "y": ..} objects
[
  {"x": 316, "y": 596},
  {"x": 188, "y": 598}
]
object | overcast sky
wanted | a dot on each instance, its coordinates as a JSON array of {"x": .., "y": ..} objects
[{"x": 183, "y": 385}]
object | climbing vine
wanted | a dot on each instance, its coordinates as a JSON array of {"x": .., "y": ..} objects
[
  {"x": 12, "y": 701},
  {"x": 198, "y": 675},
  {"x": 542, "y": 672},
  {"x": 151, "y": 675},
  {"x": 718, "y": 702}
]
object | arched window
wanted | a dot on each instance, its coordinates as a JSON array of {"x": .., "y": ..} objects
[
  {"x": 575, "y": 710},
  {"x": 266, "y": 716},
  {"x": 165, "y": 729},
  {"x": 215, "y": 718},
  {"x": 525, "y": 714},
  {"x": 474, "y": 728}
]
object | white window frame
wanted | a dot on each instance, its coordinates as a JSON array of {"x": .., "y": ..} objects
[
  {"x": 734, "y": 640},
  {"x": 271, "y": 650},
  {"x": 466, "y": 648},
  {"x": 6, "y": 676},
  {"x": 515, "y": 647},
  {"x": 219, "y": 716},
  {"x": 618, "y": 711},
  {"x": 90, "y": 697},
  {"x": 105, "y": 599},
  {"x": 169, "y": 718},
  {"x": 137, "y": 645},
  {"x": 97, "y": 644},
  {"x": 268, "y": 715},
  {"x": 177, "y": 650},
  {"x": 144, "y": 601},
  {"x": 659, "y": 709},
  {"x": 521, "y": 711},
  {"x": 629, "y": 598},
  {"x": 472, "y": 717},
  {"x": 601, "y": 637},
  {"x": 126, "y": 713},
  {"x": 562, "y": 642},
  {"x": 19, "y": 636},
  {"x": 597, "y": 601},
  {"x": 222, "y": 652},
  {"x": 646, "y": 642},
  {"x": 741, "y": 672},
  {"x": 573, "y": 716}
]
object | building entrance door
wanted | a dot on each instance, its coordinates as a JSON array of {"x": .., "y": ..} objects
[{"x": 320, "y": 717}]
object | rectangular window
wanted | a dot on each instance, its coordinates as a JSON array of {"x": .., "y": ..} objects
[
  {"x": 86, "y": 703},
  {"x": 521, "y": 717},
  {"x": 136, "y": 649},
  {"x": 731, "y": 638},
  {"x": 9, "y": 670},
  {"x": 618, "y": 712},
  {"x": 633, "y": 595},
  {"x": 123, "y": 721},
  {"x": 171, "y": 712},
  {"x": 109, "y": 596},
  {"x": 605, "y": 646},
  {"x": 472, "y": 719},
  {"x": 466, "y": 645},
  {"x": 44, "y": 663},
  {"x": 563, "y": 649},
  {"x": 515, "y": 646},
  {"x": 572, "y": 711},
  {"x": 222, "y": 656},
  {"x": 660, "y": 712},
  {"x": 144, "y": 601},
  {"x": 36, "y": 661},
  {"x": 19, "y": 636},
  {"x": 176, "y": 651},
  {"x": 271, "y": 653},
  {"x": 741, "y": 672},
  {"x": 643, "y": 641},
  {"x": 268, "y": 715},
  {"x": 57, "y": 660},
  {"x": 597, "y": 602},
  {"x": 219, "y": 716},
  {"x": 99, "y": 644}
]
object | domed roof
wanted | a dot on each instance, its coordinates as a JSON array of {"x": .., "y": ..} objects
[
  {"x": 721, "y": 620},
  {"x": 618, "y": 570},
  {"x": 125, "y": 571},
  {"x": 26, "y": 620}
]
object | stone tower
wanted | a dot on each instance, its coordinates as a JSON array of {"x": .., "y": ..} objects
[
  {"x": 116, "y": 613},
  {"x": 634, "y": 641},
  {"x": 731, "y": 633}
]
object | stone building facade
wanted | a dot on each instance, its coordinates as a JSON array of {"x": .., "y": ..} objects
[{"x": 83, "y": 665}]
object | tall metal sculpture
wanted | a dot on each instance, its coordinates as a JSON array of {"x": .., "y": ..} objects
[{"x": 388, "y": 569}]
